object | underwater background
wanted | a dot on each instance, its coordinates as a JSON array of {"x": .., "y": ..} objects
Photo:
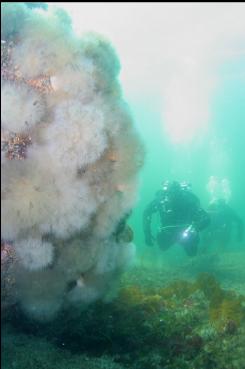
[
  {"x": 219, "y": 151},
  {"x": 187, "y": 100}
]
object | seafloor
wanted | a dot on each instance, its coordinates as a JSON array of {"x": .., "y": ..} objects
[{"x": 186, "y": 317}]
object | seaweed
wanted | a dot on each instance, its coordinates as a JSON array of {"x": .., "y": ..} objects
[{"x": 180, "y": 325}]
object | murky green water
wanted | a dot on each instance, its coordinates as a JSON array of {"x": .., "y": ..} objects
[{"x": 80, "y": 287}]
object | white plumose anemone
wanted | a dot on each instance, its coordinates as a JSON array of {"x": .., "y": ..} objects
[
  {"x": 70, "y": 161},
  {"x": 22, "y": 107},
  {"x": 34, "y": 254},
  {"x": 76, "y": 79},
  {"x": 77, "y": 136},
  {"x": 36, "y": 197}
]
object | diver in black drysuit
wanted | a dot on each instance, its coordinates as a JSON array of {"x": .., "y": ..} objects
[
  {"x": 181, "y": 218},
  {"x": 223, "y": 218}
]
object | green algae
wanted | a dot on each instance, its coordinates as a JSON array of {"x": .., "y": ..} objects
[{"x": 182, "y": 324}]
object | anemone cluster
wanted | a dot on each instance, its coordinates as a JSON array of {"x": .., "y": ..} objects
[{"x": 70, "y": 158}]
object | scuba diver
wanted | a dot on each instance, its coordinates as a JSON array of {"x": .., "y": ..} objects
[
  {"x": 181, "y": 217},
  {"x": 223, "y": 218}
]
